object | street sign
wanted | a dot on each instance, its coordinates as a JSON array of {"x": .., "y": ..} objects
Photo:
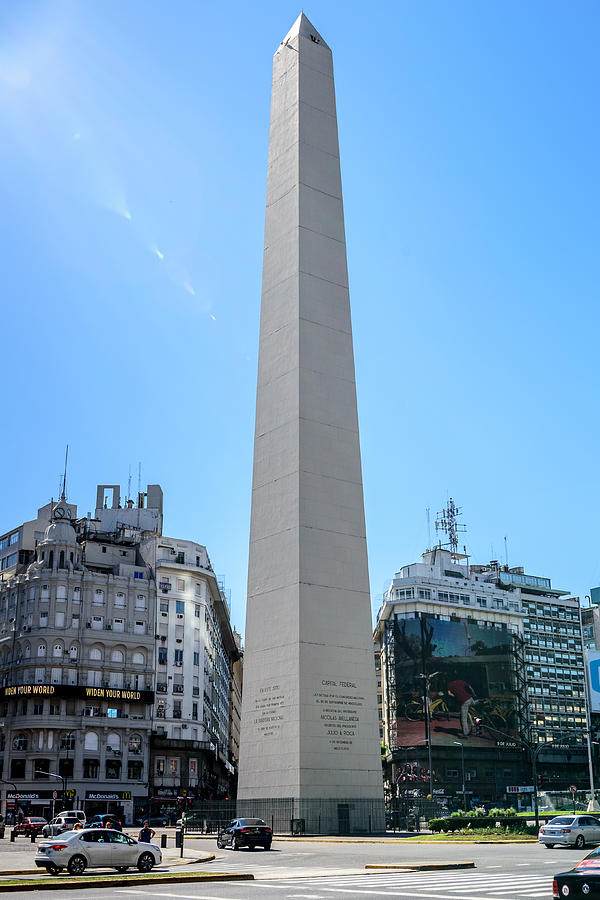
[
  {"x": 572, "y": 788},
  {"x": 54, "y": 795},
  {"x": 519, "y": 789}
]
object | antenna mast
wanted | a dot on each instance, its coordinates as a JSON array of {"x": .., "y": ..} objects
[
  {"x": 428, "y": 529},
  {"x": 446, "y": 522}
]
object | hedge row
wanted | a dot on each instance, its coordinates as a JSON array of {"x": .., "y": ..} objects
[{"x": 515, "y": 824}]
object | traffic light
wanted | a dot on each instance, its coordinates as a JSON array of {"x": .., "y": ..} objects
[
  {"x": 189, "y": 802},
  {"x": 477, "y": 723},
  {"x": 540, "y": 781}
]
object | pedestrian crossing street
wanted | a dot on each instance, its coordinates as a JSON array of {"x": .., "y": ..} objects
[{"x": 462, "y": 885}]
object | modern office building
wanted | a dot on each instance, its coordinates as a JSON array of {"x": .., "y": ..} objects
[{"x": 501, "y": 647}]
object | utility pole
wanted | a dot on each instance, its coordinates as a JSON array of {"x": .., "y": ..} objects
[{"x": 462, "y": 757}]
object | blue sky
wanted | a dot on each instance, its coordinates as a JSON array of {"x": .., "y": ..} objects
[{"x": 133, "y": 151}]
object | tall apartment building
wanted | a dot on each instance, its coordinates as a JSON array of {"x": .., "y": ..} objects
[
  {"x": 116, "y": 652},
  {"x": 514, "y": 641}
]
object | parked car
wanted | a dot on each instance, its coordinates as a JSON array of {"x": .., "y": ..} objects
[
  {"x": 78, "y": 813},
  {"x": 2, "y": 827},
  {"x": 100, "y": 848},
  {"x": 573, "y": 831},
  {"x": 583, "y": 880},
  {"x": 59, "y": 824},
  {"x": 249, "y": 833},
  {"x": 99, "y": 821},
  {"x": 160, "y": 821},
  {"x": 30, "y": 825}
]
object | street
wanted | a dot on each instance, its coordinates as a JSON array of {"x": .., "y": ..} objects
[{"x": 317, "y": 870}]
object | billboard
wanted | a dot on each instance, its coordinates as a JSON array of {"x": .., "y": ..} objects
[
  {"x": 593, "y": 657},
  {"x": 472, "y": 678}
]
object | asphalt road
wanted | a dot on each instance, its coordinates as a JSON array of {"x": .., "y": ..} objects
[{"x": 315, "y": 870}]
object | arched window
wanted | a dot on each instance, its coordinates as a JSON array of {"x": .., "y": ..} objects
[
  {"x": 135, "y": 743},
  {"x": 41, "y": 650},
  {"x": 20, "y": 742},
  {"x": 96, "y": 653},
  {"x": 113, "y": 740},
  {"x": 61, "y": 592},
  {"x": 139, "y": 658},
  {"x": 57, "y": 651},
  {"x": 51, "y": 559},
  {"x": 67, "y": 741},
  {"x": 27, "y": 651},
  {"x": 117, "y": 656},
  {"x": 61, "y": 560},
  {"x": 91, "y": 740},
  {"x": 73, "y": 651},
  {"x": 98, "y": 597}
]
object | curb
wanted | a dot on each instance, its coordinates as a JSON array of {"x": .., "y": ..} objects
[
  {"x": 425, "y": 867},
  {"x": 175, "y": 862},
  {"x": 119, "y": 881},
  {"x": 410, "y": 840}
]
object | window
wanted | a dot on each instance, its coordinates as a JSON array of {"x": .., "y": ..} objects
[
  {"x": 113, "y": 740},
  {"x": 138, "y": 574},
  {"x": 96, "y": 653},
  {"x": 43, "y": 620},
  {"x": 45, "y": 595},
  {"x": 117, "y": 656},
  {"x": 135, "y": 743},
  {"x": 177, "y": 709},
  {"x": 194, "y": 710},
  {"x": 197, "y": 611},
  {"x": 57, "y": 651},
  {"x": 113, "y": 768},
  {"x": 17, "y": 768},
  {"x": 118, "y": 624},
  {"x": 38, "y": 709},
  {"x": 41, "y": 767},
  {"x": 61, "y": 592},
  {"x": 56, "y": 676},
  {"x": 90, "y": 740},
  {"x": 162, "y": 656},
  {"x": 75, "y": 621},
  {"x": 134, "y": 770},
  {"x": 138, "y": 658},
  {"x": 73, "y": 651},
  {"x": 160, "y": 766},
  {"x": 178, "y": 657},
  {"x": 98, "y": 597},
  {"x": 113, "y": 713},
  {"x": 140, "y": 601},
  {"x": 179, "y": 607},
  {"x": 174, "y": 766},
  {"x": 97, "y": 622},
  {"x": 76, "y": 595},
  {"x": 181, "y": 584},
  {"x": 120, "y": 599},
  {"x": 40, "y": 675},
  {"x": 139, "y": 628},
  {"x": 115, "y": 680},
  {"x": 91, "y": 768},
  {"x": 41, "y": 650},
  {"x": 59, "y": 620},
  {"x": 13, "y": 539},
  {"x": 164, "y": 607},
  {"x": 67, "y": 741},
  {"x": 196, "y": 658},
  {"x": 424, "y": 594}
]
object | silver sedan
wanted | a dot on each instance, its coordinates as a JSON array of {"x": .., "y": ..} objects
[
  {"x": 574, "y": 831},
  {"x": 95, "y": 848}
]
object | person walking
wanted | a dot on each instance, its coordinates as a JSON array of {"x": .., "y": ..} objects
[{"x": 146, "y": 833}]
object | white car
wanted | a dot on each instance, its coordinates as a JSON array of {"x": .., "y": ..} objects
[
  {"x": 58, "y": 825},
  {"x": 573, "y": 831},
  {"x": 101, "y": 848}
]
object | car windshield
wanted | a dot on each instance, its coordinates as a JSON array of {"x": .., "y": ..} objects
[
  {"x": 36, "y": 820},
  {"x": 252, "y": 822},
  {"x": 595, "y": 855},
  {"x": 562, "y": 820}
]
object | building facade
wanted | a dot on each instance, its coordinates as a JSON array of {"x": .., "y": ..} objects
[
  {"x": 504, "y": 653},
  {"x": 114, "y": 691}
]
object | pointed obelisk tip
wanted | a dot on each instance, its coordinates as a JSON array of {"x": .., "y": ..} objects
[{"x": 304, "y": 27}]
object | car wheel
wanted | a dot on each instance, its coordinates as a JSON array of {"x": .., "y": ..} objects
[
  {"x": 77, "y": 865},
  {"x": 122, "y": 868},
  {"x": 52, "y": 869},
  {"x": 549, "y": 846},
  {"x": 236, "y": 843},
  {"x": 220, "y": 843},
  {"x": 145, "y": 862},
  {"x": 580, "y": 841},
  {"x": 267, "y": 846}
]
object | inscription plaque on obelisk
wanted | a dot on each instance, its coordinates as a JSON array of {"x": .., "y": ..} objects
[{"x": 309, "y": 716}]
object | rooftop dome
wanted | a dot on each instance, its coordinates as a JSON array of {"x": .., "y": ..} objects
[{"x": 60, "y": 532}]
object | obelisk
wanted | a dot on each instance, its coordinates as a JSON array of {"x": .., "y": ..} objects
[{"x": 309, "y": 717}]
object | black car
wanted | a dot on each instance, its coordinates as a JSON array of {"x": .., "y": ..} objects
[
  {"x": 249, "y": 833},
  {"x": 582, "y": 881}
]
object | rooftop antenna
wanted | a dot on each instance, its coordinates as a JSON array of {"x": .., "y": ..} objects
[
  {"x": 129, "y": 484},
  {"x": 139, "y": 492},
  {"x": 446, "y": 522},
  {"x": 63, "y": 495},
  {"x": 428, "y": 529},
  {"x": 506, "y": 550}
]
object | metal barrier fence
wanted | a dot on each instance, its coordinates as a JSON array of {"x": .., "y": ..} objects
[{"x": 287, "y": 815}]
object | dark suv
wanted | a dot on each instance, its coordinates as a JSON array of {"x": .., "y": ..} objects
[
  {"x": 30, "y": 825},
  {"x": 249, "y": 833}
]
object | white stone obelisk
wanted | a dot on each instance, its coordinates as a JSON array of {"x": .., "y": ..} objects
[{"x": 309, "y": 722}]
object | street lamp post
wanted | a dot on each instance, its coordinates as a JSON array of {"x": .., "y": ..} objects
[
  {"x": 462, "y": 757},
  {"x": 54, "y": 775}
]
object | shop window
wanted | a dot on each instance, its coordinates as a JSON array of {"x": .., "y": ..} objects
[
  {"x": 135, "y": 743},
  {"x": 17, "y": 768},
  {"x": 41, "y": 768},
  {"x": 65, "y": 768}
]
